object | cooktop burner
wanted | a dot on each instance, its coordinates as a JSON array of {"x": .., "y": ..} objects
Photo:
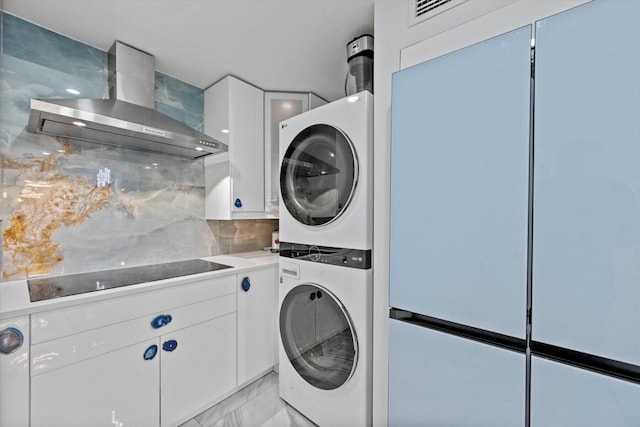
[{"x": 73, "y": 284}]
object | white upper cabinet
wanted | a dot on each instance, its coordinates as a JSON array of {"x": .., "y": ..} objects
[
  {"x": 234, "y": 183},
  {"x": 279, "y": 106}
]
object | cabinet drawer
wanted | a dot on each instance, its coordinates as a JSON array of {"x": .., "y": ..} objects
[
  {"x": 54, "y": 354},
  {"x": 59, "y": 323}
]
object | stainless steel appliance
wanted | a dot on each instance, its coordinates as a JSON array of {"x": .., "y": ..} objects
[
  {"x": 128, "y": 119},
  {"x": 360, "y": 60}
]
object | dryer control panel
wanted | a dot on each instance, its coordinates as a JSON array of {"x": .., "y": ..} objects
[{"x": 344, "y": 257}]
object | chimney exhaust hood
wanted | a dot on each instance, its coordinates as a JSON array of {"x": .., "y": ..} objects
[{"x": 128, "y": 118}]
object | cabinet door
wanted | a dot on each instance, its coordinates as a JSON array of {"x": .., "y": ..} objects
[
  {"x": 257, "y": 318},
  {"x": 586, "y": 243},
  {"x": 117, "y": 388},
  {"x": 234, "y": 113},
  {"x": 246, "y": 137},
  {"x": 14, "y": 372},
  {"x": 198, "y": 367},
  {"x": 278, "y": 106}
]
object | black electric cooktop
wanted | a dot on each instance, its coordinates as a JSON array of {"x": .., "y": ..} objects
[{"x": 73, "y": 284}]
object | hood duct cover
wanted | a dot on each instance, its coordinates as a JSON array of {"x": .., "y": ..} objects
[{"x": 128, "y": 118}]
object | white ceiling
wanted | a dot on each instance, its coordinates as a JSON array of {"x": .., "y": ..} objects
[{"x": 282, "y": 45}]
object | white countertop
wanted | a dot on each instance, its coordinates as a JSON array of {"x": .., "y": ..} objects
[{"x": 14, "y": 295}]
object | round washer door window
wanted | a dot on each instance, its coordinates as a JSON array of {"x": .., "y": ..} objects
[
  {"x": 318, "y": 336},
  {"x": 318, "y": 175}
]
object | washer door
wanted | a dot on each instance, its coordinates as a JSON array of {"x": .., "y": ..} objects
[
  {"x": 318, "y": 175},
  {"x": 318, "y": 336}
]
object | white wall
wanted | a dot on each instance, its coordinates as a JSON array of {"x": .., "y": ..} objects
[{"x": 398, "y": 46}]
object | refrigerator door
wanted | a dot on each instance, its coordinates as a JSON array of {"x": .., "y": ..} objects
[
  {"x": 436, "y": 379},
  {"x": 562, "y": 395},
  {"x": 459, "y": 185},
  {"x": 586, "y": 244}
]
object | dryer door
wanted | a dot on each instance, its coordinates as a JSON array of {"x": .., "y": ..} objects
[
  {"x": 318, "y": 175},
  {"x": 318, "y": 336}
]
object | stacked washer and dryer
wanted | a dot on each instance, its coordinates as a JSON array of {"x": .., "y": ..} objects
[{"x": 326, "y": 236}]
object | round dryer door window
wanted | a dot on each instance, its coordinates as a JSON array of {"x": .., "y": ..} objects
[
  {"x": 318, "y": 175},
  {"x": 318, "y": 336}
]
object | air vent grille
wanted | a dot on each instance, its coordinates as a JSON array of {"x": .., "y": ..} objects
[
  {"x": 424, "y": 9},
  {"x": 424, "y": 6}
]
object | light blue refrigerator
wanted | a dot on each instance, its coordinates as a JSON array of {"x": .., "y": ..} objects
[
  {"x": 514, "y": 275},
  {"x": 585, "y": 326},
  {"x": 459, "y": 237}
]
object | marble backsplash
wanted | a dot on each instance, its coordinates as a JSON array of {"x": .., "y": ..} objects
[
  {"x": 56, "y": 217},
  {"x": 244, "y": 235}
]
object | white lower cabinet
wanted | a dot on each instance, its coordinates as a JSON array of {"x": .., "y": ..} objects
[
  {"x": 156, "y": 382},
  {"x": 14, "y": 372},
  {"x": 201, "y": 368},
  {"x": 119, "y": 388},
  {"x": 151, "y": 359},
  {"x": 157, "y": 359},
  {"x": 257, "y": 322}
]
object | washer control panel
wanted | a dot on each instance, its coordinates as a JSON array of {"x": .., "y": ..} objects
[{"x": 345, "y": 257}]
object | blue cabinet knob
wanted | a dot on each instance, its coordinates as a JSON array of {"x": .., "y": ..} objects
[
  {"x": 161, "y": 320},
  {"x": 11, "y": 339},
  {"x": 170, "y": 345},
  {"x": 246, "y": 284},
  {"x": 151, "y": 352},
  {"x": 238, "y": 203}
]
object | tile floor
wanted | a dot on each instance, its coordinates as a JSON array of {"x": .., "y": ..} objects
[{"x": 256, "y": 405}]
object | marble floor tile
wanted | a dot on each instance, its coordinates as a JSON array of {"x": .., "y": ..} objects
[
  {"x": 288, "y": 417},
  {"x": 191, "y": 423},
  {"x": 254, "y": 412},
  {"x": 236, "y": 400},
  {"x": 257, "y": 404}
]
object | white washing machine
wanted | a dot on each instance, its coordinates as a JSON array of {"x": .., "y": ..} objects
[
  {"x": 325, "y": 321},
  {"x": 326, "y": 163}
]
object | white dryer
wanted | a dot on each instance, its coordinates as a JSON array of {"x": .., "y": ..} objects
[
  {"x": 325, "y": 350},
  {"x": 326, "y": 160}
]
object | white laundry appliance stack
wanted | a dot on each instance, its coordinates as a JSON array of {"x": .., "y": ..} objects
[{"x": 325, "y": 261}]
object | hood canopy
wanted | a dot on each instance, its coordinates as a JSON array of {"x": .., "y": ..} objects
[{"x": 128, "y": 119}]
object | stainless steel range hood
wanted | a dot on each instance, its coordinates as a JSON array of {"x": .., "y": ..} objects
[{"x": 128, "y": 118}]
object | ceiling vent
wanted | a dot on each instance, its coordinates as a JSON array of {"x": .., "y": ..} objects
[{"x": 421, "y": 10}]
